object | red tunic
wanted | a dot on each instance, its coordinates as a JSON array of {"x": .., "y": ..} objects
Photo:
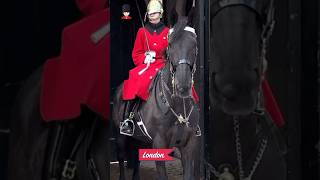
[
  {"x": 138, "y": 85},
  {"x": 79, "y": 76},
  {"x": 126, "y": 17}
]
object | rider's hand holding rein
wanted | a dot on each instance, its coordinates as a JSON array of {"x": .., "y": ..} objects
[{"x": 150, "y": 57}]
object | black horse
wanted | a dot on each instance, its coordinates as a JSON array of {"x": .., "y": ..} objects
[
  {"x": 77, "y": 149},
  {"x": 242, "y": 137},
  {"x": 162, "y": 112}
]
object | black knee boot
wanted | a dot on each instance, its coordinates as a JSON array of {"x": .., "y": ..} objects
[{"x": 127, "y": 125}]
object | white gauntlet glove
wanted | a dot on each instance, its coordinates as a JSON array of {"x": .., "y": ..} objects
[{"x": 150, "y": 57}]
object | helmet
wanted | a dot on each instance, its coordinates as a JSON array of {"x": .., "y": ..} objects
[{"x": 154, "y": 6}]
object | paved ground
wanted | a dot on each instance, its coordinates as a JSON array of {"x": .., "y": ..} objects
[{"x": 148, "y": 170}]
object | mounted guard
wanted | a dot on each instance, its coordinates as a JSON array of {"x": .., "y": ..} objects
[
  {"x": 167, "y": 113},
  {"x": 149, "y": 57}
]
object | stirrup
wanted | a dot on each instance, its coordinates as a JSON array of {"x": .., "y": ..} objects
[{"x": 127, "y": 123}]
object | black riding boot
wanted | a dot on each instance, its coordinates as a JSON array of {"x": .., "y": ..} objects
[{"x": 127, "y": 125}]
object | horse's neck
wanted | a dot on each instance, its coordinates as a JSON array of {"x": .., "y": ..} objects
[
  {"x": 166, "y": 81},
  {"x": 167, "y": 88},
  {"x": 166, "y": 76}
]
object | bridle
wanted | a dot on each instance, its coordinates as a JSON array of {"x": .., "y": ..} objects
[
  {"x": 172, "y": 72},
  {"x": 193, "y": 66},
  {"x": 218, "y": 5},
  {"x": 267, "y": 17},
  {"x": 182, "y": 119}
]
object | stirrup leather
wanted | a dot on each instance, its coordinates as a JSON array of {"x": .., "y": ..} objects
[{"x": 127, "y": 122}]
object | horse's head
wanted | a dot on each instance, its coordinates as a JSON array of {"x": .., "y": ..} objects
[
  {"x": 182, "y": 53},
  {"x": 237, "y": 32}
]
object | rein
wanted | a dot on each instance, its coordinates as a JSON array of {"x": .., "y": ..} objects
[{"x": 263, "y": 142}]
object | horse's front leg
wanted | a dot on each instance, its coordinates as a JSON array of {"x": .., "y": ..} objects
[
  {"x": 136, "y": 171},
  {"x": 159, "y": 143},
  {"x": 197, "y": 159},
  {"x": 188, "y": 158},
  {"x": 121, "y": 154},
  {"x": 133, "y": 159}
]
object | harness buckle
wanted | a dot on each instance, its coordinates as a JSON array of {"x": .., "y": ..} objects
[
  {"x": 198, "y": 131},
  {"x": 181, "y": 119},
  {"x": 69, "y": 169},
  {"x": 131, "y": 115},
  {"x": 259, "y": 112}
]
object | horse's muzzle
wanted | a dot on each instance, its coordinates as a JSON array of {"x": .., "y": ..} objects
[{"x": 242, "y": 105}]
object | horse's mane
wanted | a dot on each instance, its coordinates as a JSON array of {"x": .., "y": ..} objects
[{"x": 179, "y": 28}]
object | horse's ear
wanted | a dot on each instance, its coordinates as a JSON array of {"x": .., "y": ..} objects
[
  {"x": 191, "y": 16},
  {"x": 172, "y": 15}
]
